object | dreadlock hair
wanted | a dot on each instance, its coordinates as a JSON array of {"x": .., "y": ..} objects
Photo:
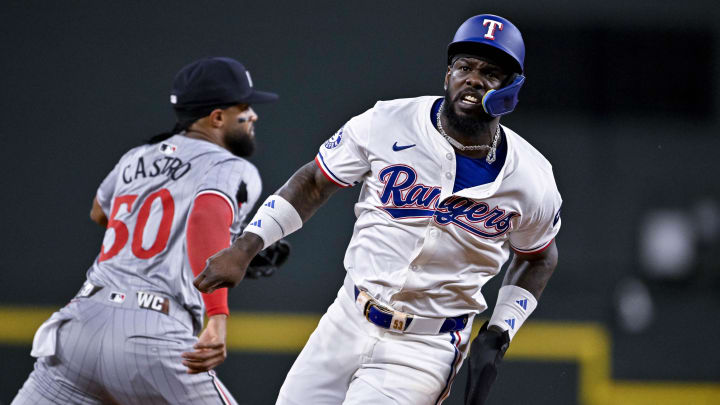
[
  {"x": 181, "y": 125},
  {"x": 185, "y": 119}
]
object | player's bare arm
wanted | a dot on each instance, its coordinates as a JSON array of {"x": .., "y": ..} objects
[
  {"x": 532, "y": 271},
  {"x": 307, "y": 190},
  {"x": 97, "y": 214}
]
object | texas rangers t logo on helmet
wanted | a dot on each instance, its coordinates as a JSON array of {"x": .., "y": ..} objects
[{"x": 491, "y": 29}]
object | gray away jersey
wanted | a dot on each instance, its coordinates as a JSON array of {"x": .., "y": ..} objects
[{"x": 148, "y": 197}]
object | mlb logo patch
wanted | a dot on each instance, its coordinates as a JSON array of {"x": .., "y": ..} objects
[
  {"x": 117, "y": 297},
  {"x": 167, "y": 148}
]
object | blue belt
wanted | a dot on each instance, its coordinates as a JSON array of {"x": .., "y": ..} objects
[{"x": 381, "y": 316}]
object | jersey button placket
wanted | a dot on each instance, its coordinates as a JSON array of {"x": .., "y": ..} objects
[{"x": 447, "y": 166}]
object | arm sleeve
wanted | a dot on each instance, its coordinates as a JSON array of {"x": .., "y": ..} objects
[
  {"x": 208, "y": 232},
  {"x": 343, "y": 158},
  {"x": 235, "y": 180},
  {"x": 538, "y": 228}
]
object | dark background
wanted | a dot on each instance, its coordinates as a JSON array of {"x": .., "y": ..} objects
[{"x": 622, "y": 98}]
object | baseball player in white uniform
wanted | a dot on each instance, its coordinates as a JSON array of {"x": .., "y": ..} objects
[
  {"x": 130, "y": 335},
  {"x": 447, "y": 193}
]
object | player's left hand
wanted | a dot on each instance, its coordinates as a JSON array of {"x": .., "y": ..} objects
[
  {"x": 210, "y": 350},
  {"x": 486, "y": 352}
]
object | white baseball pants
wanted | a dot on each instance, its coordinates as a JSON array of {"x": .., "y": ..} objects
[{"x": 349, "y": 361}]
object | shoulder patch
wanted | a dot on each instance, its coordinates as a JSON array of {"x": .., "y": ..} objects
[
  {"x": 242, "y": 196},
  {"x": 334, "y": 140}
]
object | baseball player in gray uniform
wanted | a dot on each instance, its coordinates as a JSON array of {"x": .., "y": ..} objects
[
  {"x": 447, "y": 194},
  {"x": 129, "y": 335}
]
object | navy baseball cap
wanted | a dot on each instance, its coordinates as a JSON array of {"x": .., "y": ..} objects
[{"x": 217, "y": 82}]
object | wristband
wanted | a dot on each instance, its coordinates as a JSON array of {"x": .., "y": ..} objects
[
  {"x": 275, "y": 219},
  {"x": 514, "y": 305}
]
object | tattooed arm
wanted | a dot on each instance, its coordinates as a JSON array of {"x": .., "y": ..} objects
[{"x": 307, "y": 190}]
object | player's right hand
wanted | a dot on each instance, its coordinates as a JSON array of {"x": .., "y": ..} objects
[
  {"x": 210, "y": 350},
  {"x": 227, "y": 267}
]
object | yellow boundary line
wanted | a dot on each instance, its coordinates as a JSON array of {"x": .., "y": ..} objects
[{"x": 588, "y": 344}]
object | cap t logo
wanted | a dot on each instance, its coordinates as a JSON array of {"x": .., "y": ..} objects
[
  {"x": 491, "y": 29},
  {"x": 247, "y": 73}
]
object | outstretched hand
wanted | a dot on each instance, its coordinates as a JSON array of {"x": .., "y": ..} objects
[
  {"x": 227, "y": 267},
  {"x": 210, "y": 350}
]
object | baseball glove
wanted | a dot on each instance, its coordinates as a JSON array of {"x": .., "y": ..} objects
[{"x": 268, "y": 260}]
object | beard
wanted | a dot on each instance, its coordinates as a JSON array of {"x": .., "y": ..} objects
[
  {"x": 240, "y": 143},
  {"x": 466, "y": 124}
]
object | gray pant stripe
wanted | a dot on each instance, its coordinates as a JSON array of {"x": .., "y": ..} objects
[
  {"x": 167, "y": 379},
  {"x": 129, "y": 319}
]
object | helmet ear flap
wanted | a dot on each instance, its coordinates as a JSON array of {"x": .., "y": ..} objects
[{"x": 503, "y": 101}]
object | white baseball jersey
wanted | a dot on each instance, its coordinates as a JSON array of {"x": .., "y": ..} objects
[
  {"x": 148, "y": 197},
  {"x": 416, "y": 245}
]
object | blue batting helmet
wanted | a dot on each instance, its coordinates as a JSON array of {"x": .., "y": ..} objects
[{"x": 493, "y": 36}]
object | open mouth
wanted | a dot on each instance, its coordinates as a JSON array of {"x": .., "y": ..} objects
[{"x": 469, "y": 99}]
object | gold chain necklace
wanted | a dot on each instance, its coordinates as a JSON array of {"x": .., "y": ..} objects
[{"x": 492, "y": 150}]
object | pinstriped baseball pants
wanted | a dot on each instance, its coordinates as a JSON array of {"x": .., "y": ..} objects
[{"x": 109, "y": 354}]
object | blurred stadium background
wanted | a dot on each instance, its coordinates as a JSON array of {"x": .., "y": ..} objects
[{"x": 622, "y": 97}]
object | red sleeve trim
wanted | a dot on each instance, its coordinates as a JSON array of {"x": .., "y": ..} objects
[
  {"x": 208, "y": 232},
  {"x": 317, "y": 162}
]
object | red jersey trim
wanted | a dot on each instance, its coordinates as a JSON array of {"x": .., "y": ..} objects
[{"x": 322, "y": 169}]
